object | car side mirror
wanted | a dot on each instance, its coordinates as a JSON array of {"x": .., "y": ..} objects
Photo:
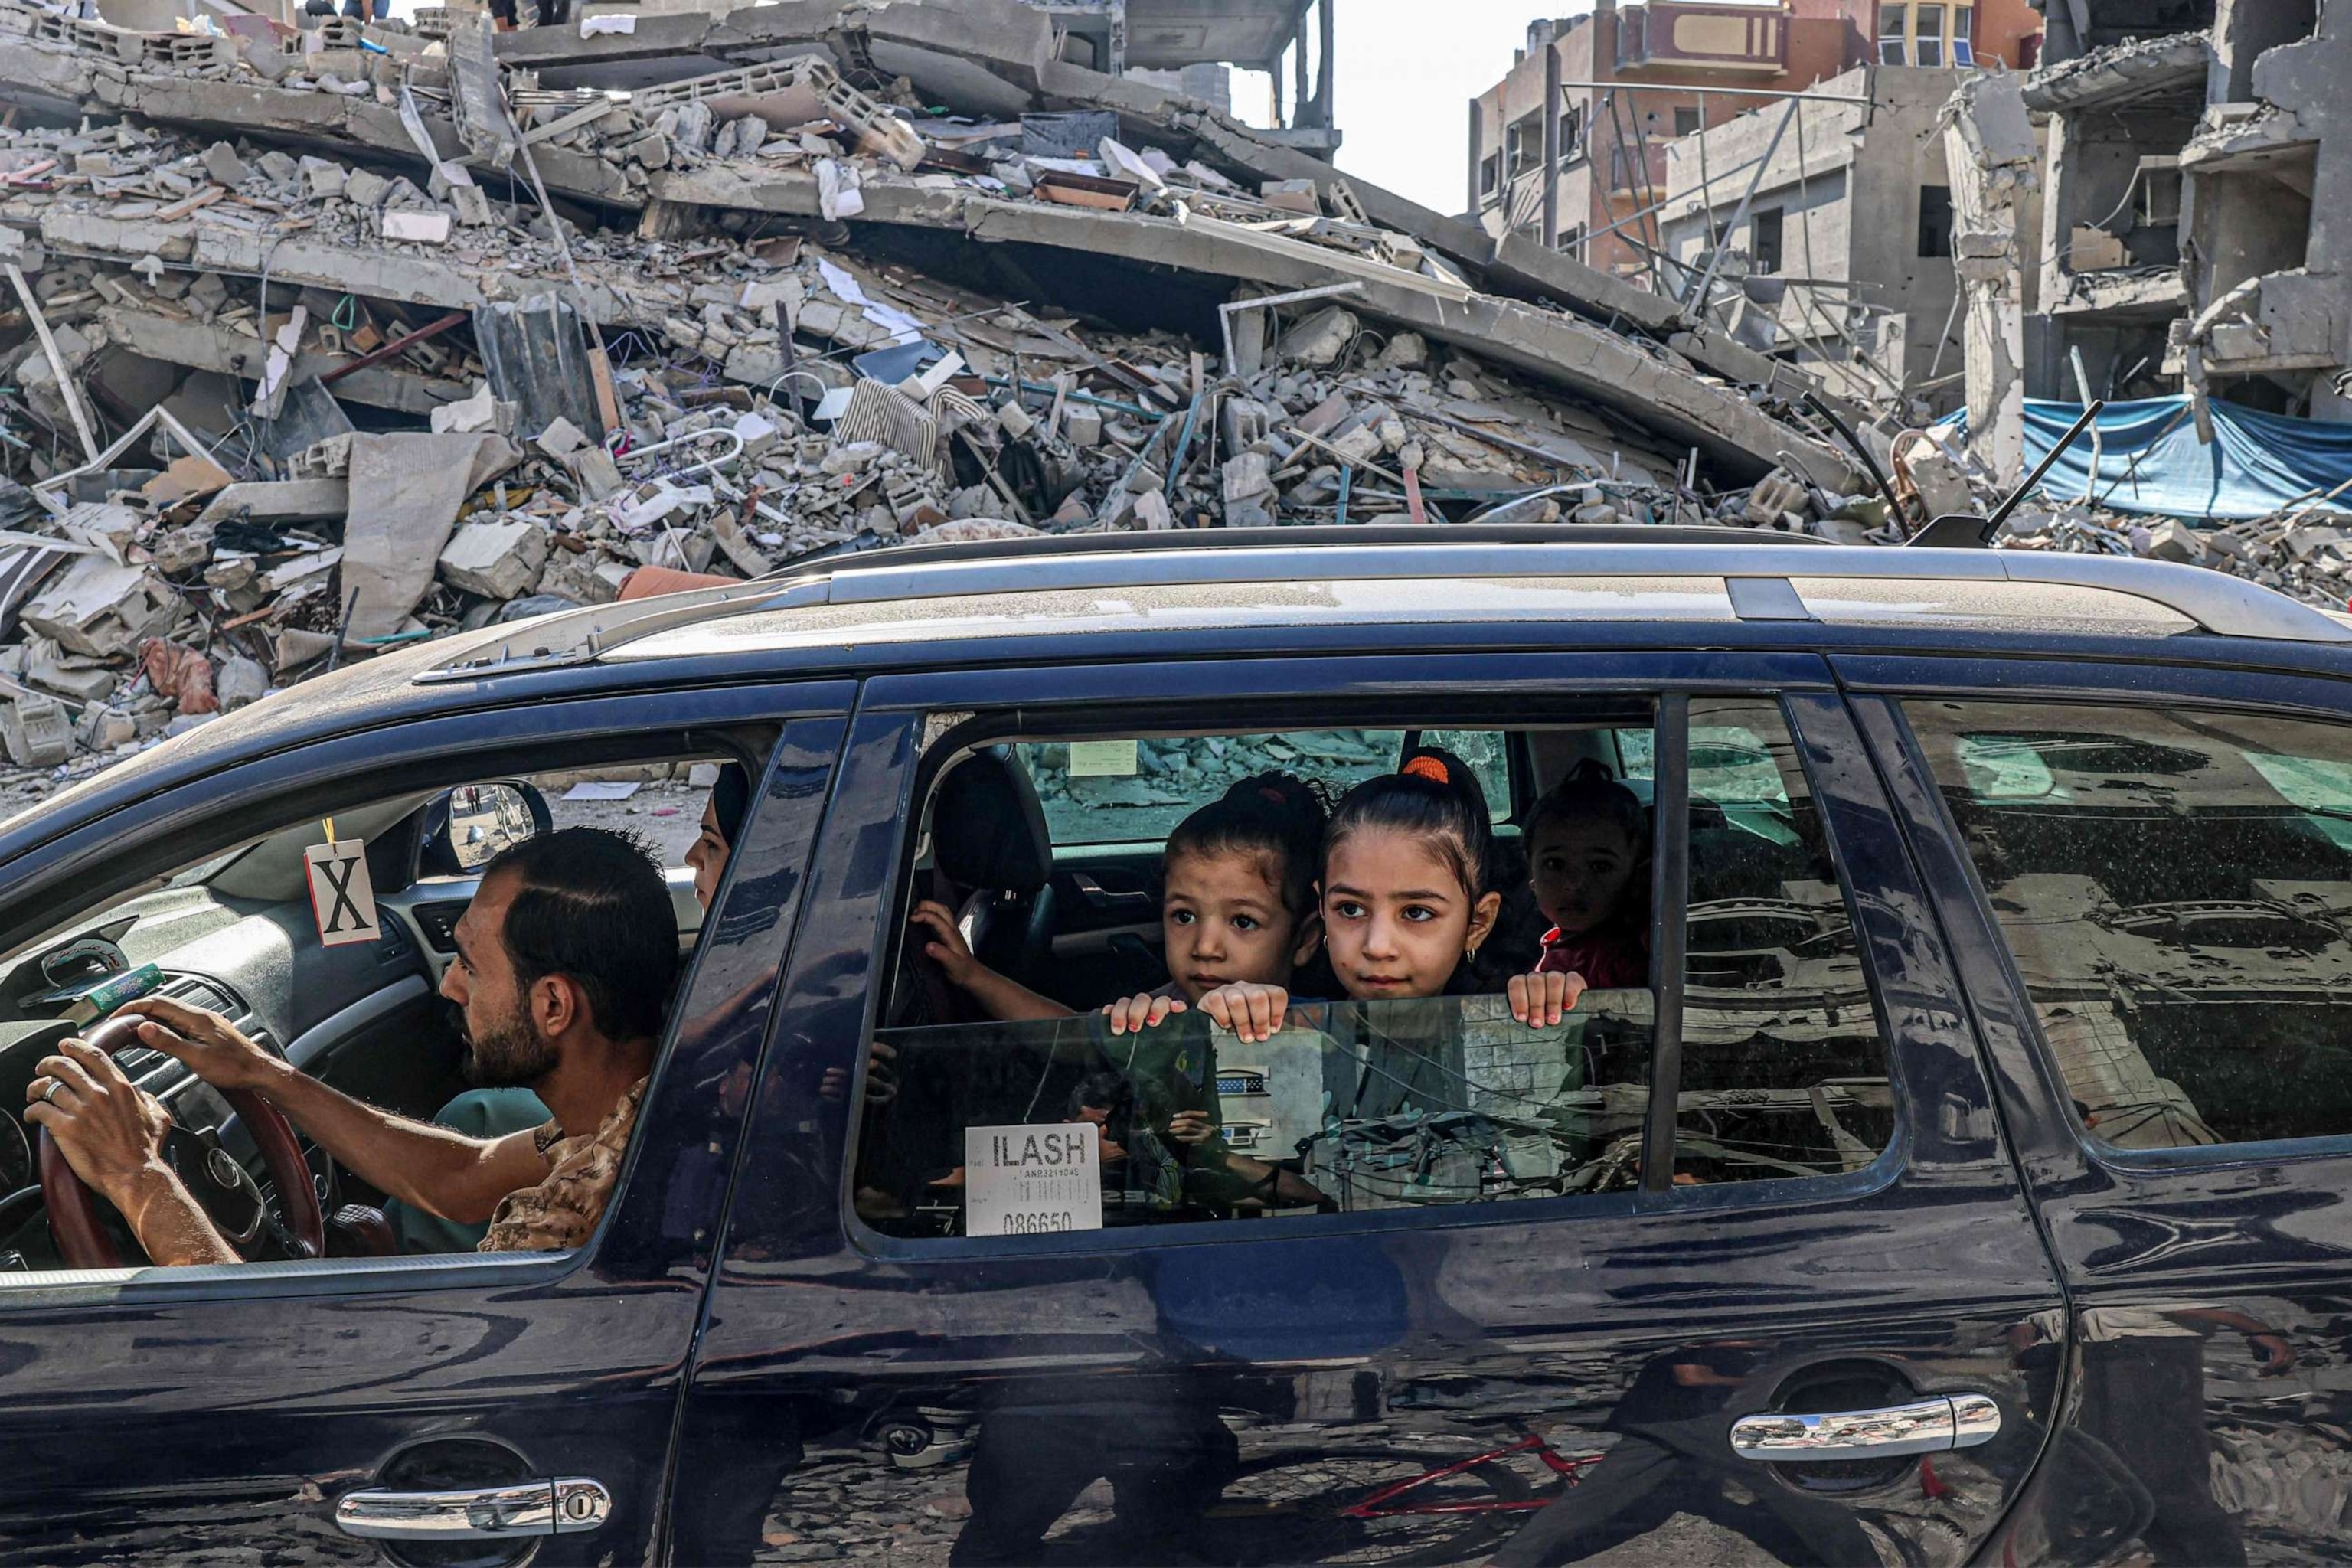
[{"x": 466, "y": 828}]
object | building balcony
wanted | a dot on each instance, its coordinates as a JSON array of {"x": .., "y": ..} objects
[{"x": 1670, "y": 38}]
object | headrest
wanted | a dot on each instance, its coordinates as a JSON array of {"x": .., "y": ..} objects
[{"x": 988, "y": 831}]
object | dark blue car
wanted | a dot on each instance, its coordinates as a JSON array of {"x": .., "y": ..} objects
[{"x": 1952, "y": 1166}]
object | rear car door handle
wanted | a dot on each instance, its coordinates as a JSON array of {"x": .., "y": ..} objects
[
  {"x": 1927, "y": 1426},
  {"x": 1098, "y": 897},
  {"x": 564, "y": 1506}
]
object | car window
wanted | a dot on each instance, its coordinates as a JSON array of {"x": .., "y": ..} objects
[
  {"x": 1031, "y": 1127},
  {"x": 1009, "y": 1123},
  {"x": 1784, "y": 1068},
  {"x": 1133, "y": 791},
  {"x": 2173, "y": 887}
]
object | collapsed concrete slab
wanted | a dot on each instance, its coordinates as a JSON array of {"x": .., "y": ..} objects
[
  {"x": 1648, "y": 388},
  {"x": 406, "y": 490}
]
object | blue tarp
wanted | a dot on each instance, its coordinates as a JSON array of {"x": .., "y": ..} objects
[{"x": 2257, "y": 464}]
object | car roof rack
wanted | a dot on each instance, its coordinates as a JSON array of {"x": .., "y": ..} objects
[{"x": 2216, "y": 601}]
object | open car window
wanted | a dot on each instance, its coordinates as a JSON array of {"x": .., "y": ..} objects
[
  {"x": 1129, "y": 790},
  {"x": 980, "y": 1126}
]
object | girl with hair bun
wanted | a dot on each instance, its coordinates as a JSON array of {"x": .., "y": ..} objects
[{"x": 1407, "y": 897}]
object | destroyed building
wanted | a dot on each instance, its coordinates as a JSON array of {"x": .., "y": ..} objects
[
  {"x": 1571, "y": 148},
  {"x": 2197, "y": 158},
  {"x": 318, "y": 341},
  {"x": 1831, "y": 241}
]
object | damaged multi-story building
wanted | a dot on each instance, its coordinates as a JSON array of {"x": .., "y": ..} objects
[{"x": 2194, "y": 233}]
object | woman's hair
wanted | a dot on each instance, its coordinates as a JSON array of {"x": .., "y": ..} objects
[
  {"x": 1276, "y": 817},
  {"x": 1435, "y": 797},
  {"x": 1589, "y": 791},
  {"x": 730, "y": 798}
]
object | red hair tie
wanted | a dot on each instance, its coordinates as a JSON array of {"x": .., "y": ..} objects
[
  {"x": 1428, "y": 768},
  {"x": 1269, "y": 793}
]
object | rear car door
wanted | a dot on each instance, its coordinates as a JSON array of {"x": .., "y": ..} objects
[
  {"x": 2146, "y": 876},
  {"x": 1825, "y": 1251},
  {"x": 153, "y": 1414}
]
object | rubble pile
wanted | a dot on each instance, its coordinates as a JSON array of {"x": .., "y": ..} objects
[{"x": 394, "y": 341}]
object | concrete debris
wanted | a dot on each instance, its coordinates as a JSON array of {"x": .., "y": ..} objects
[{"x": 767, "y": 316}]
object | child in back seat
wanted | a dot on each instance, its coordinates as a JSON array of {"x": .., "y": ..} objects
[
  {"x": 1587, "y": 844},
  {"x": 1237, "y": 906}
]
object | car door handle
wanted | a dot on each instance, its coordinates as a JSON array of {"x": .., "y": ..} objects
[
  {"x": 564, "y": 1506},
  {"x": 1098, "y": 897},
  {"x": 1927, "y": 1426}
]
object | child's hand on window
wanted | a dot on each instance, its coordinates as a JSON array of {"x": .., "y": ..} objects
[
  {"x": 1542, "y": 1000},
  {"x": 1191, "y": 1127},
  {"x": 1141, "y": 1012},
  {"x": 1251, "y": 1010},
  {"x": 950, "y": 951}
]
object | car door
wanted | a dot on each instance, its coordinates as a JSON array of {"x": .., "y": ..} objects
[
  {"x": 1385, "y": 1384},
  {"x": 269, "y": 1411},
  {"x": 2144, "y": 875}
]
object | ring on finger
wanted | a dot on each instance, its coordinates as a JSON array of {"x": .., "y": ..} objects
[{"x": 49, "y": 1095}]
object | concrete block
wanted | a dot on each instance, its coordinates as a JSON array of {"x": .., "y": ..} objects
[
  {"x": 314, "y": 499},
  {"x": 78, "y": 682},
  {"x": 97, "y": 607},
  {"x": 1292, "y": 195},
  {"x": 1247, "y": 479},
  {"x": 1320, "y": 339},
  {"x": 496, "y": 560},
  {"x": 34, "y": 731},
  {"x": 322, "y": 178},
  {"x": 2173, "y": 540},
  {"x": 598, "y": 474},
  {"x": 224, "y": 166},
  {"x": 573, "y": 576},
  {"x": 104, "y": 728},
  {"x": 1082, "y": 427},
  {"x": 366, "y": 189},
  {"x": 241, "y": 680},
  {"x": 423, "y": 228},
  {"x": 473, "y": 205}
]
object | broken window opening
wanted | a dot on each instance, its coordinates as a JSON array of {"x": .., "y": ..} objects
[
  {"x": 1764, "y": 239},
  {"x": 1935, "y": 221},
  {"x": 1687, "y": 122}
]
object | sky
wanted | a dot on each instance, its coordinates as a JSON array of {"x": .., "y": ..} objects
[{"x": 1408, "y": 70}]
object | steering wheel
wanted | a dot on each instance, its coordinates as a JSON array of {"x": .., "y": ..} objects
[{"x": 229, "y": 1195}]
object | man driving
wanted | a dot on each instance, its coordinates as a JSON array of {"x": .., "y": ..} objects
[{"x": 566, "y": 958}]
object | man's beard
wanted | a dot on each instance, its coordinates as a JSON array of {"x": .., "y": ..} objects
[{"x": 510, "y": 1054}]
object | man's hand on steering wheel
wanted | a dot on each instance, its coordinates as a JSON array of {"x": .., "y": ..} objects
[
  {"x": 111, "y": 1133},
  {"x": 211, "y": 1046}
]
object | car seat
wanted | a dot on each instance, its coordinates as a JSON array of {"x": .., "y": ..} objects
[{"x": 993, "y": 863}]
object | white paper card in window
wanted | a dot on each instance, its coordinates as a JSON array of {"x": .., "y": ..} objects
[
  {"x": 1103, "y": 760},
  {"x": 1032, "y": 1181}
]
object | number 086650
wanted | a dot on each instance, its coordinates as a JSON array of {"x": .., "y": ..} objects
[{"x": 1036, "y": 1224}]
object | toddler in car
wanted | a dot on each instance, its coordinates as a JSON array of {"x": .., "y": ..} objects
[
  {"x": 1237, "y": 907},
  {"x": 1587, "y": 859},
  {"x": 1237, "y": 904}
]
